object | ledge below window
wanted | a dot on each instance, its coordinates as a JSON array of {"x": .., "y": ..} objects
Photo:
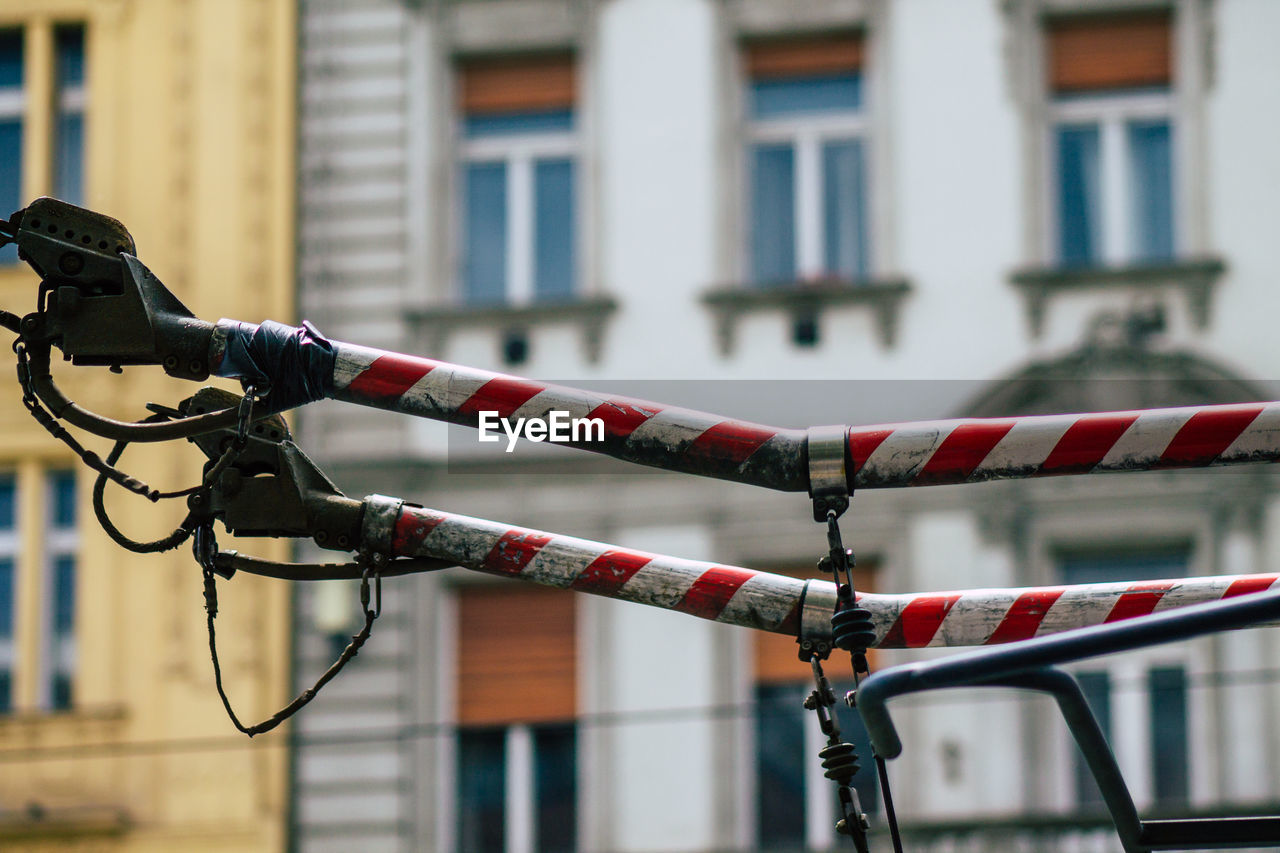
[
  {"x": 1195, "y": 278},
  {"x": 806, "y": 301},
  {"x": 589, "y": 314},
  {"x": 36, "y": 822}
]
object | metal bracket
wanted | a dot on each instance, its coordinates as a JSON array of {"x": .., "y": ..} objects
[
  {"x": 379, "y": 522},
  {"x": 817, "y": 603},
  {"x": 828, "y": 481},
  {"x": 98, "y": 303},
  {"x": 272, "y": 488}
]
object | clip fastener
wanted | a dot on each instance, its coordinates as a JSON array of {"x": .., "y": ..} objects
[{"x": 828, "y": 481}]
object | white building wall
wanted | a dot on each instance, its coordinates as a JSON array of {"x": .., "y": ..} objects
[{"x": 662, "y": 143}]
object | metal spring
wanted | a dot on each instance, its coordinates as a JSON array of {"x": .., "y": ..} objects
[
  {"x": 852, "y": 629},
  {"x": 840, "y": 762}
]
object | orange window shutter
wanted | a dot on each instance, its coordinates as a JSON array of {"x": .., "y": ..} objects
[
  {"x": 517, "y": 655},
  {"x": 517, "y": 84},
  {"x": 776, "y": 655},
  {"x": 808, "y": 56},
  {"x": 1099, "y": 53}
]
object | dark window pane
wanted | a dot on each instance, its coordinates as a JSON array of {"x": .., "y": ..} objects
[
  {"x": 482, "y": 784},
  {"x": 1079, "y": 197},
  {"x": 10, "y": 58},
  {"x": 6, "y": 632},
  {"x": 485, "y": 264},
  {"x": 64, "y": 594},
  {"x": 836, "y": 93},
  {"x": 69, "y": 46},
  {"x": 10, "y": 176},
  {"x": 555, "y": 750},
  {"x": 8, "y": 489},
  {"x": 514, "y": 124},
  {"x": 1151, "y": 153},
  {"x": 6, "y": 605},
  {"x": 62, "y": 486},
  {"x": 1097, "y": 690},
  {"x": 1168, "y": 693},
  {"x": 844, "y": 208},
  {"x": 773, "y": 225},
  {"x": 60, "y": 692},
  {"x": 68, "y": 179},
  {"x": 780, "y": 811},
  {"x": 553, "y": 228},
  {"x": 1107, "y": 566}
]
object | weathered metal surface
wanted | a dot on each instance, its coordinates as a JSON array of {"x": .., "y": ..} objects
[
  {"x": 889, "y": 456},
  {"x": 772, "y": 602},
  {"x": 634, "y": 430},
  {"x": 378, "y": 522},
  {"x": 968, "y": 451}
]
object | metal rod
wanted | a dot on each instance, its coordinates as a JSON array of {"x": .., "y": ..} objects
[
  {"x": 986, "y": 665},
  {"x": 888, "y": 456},
  {"x": 770, "y": 602}
]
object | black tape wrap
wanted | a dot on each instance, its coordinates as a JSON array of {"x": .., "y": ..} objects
[{"x": 296, "y": 362}]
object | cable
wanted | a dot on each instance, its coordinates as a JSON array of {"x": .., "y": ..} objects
[
  {"x": 230, "y": 562},
  {"x": 40, "y": 380},
  {"x": 206, "y": 550}
]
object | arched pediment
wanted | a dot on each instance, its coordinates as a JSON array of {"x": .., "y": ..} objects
[{"x": 1098, "y": 378}]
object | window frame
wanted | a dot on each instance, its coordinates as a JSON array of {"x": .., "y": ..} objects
[
  {"x": 806, "y": 134},
  {"x": 34, "y": 544},
  {"x": 519, "y": 736},
  {"x": 60, "y": 541},
  {"x": 11, "y": 551},
  {"x": 1130, "y": 734},
  {"x": 519, "y": 153},
  {"x": 1111, "y": 113},
  {"x": 41, "y": 102}
]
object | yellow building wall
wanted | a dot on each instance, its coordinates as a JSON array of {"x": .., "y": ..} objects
[{"x": 189, "y": 142}]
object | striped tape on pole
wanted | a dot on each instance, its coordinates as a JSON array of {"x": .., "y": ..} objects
[
  {"x": 968, "y": 451},
  {"x": 634, "y": 430},
  {"x": 912, "y": 454},
  {"x": 770, "y": 602}
]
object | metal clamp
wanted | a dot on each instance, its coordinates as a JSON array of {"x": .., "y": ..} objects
[
  {"x": 817, "y": 602},
  {"x": 828, "y": 480},
  {"x": 379, "y": 523}
]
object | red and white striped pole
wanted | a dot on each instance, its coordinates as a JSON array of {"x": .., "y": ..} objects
[
  {"x": 770, "y": 602},
  {"x": 912, "y": 454}
]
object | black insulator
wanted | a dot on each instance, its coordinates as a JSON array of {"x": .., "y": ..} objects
[
  {"x": 852, "y": 629},
  {"x": 840, "y": 762}
]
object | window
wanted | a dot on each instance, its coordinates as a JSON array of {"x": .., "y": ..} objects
[
  {"x": 59, "y": 593},
  {"x": 1112, "y": 145},
  {"x": 8, "y": 568},
  {"x": 38, "y": 547},
  {"x": 1140, "y": 698},
  {"x": 21, "y": 115},
  {"x": 519, "y": 183},
  {"x": 11, "y": 121},
  {"x": 796, "y": 806},
  {"x": 68, "y": 158},
  {"x": 806, "y": 160},
  {"x": 516, "y": 782}
]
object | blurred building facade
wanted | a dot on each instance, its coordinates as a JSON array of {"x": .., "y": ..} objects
[
  {"x": 176, "y": 118},
  {"x": 894, "y": 208}
]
